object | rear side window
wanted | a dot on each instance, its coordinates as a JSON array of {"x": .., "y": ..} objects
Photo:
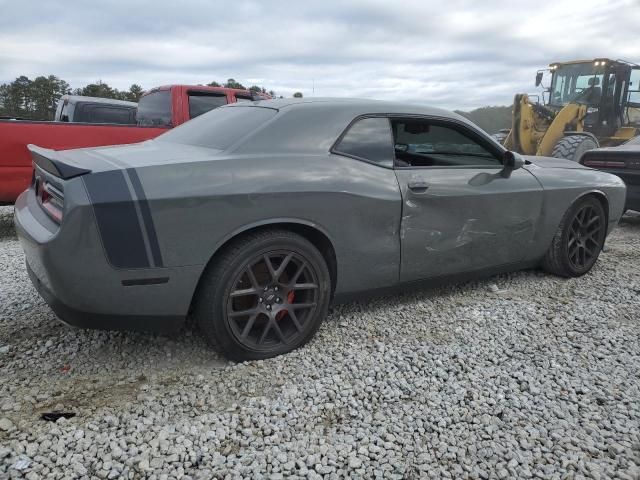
[
  {"x": 154, "y": 109},
  {"x": 368, "y": 139},
  {"x": 100, "y": 113},
  {"x": 106, "y": 114},
  {"x": 200, "y": 103},
  {"x": 220, "y": 128}
]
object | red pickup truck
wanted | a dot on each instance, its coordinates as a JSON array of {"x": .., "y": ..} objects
[{"x": 158, "y": 110}]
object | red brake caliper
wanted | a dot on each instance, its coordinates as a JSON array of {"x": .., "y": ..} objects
[{"x": 290, "y": 298}]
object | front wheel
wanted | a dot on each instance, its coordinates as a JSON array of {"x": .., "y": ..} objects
[
  {"x": 266, "y": 295},
  {"x": 579, "y": 239}
]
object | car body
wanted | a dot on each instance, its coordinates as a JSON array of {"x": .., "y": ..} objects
[
  {"x": 158, "y": 110},
  {"x": 81, "y": 109},
  {"x": 121, "y": 237},
  {"x": 623, "y": 161}
]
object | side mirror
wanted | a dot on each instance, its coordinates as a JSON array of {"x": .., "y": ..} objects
[
  {"x": 512, "y": 161},
  {"x": 539, "y": 78}
]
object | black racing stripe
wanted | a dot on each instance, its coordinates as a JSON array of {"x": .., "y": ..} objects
[
  {"x": 117, "y": 219},
  {"x": 146, "y": 216}
]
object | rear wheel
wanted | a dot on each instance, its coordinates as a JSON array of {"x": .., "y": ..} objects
[
  {"x": 579, "y": 239},
  {"x": 266, "y": 295},
  {"x": 572, "y": 147}
]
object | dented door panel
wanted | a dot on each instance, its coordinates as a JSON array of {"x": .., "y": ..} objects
[{"x": 463, "y": 219}]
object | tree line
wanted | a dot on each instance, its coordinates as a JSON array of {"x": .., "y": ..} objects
[
  {"x": 490, "y": 119},
  {"x": 37, "y": 99}
]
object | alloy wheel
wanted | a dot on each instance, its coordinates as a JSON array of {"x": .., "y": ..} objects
[
  {"x": 585, "y": 237},
  {"x": 272, "y": 300}
]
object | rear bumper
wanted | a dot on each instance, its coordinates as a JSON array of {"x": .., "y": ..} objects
[
  {"x": 68, "y": 266},
  {"x": 78, "y": 318}
]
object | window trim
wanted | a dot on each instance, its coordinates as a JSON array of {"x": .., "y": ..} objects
[
  {"x": 460, "y": 127},
  {"x": 335, "y": 151}
]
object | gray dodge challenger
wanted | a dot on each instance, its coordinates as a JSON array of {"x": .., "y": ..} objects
[{"x": 253, "y": 217}]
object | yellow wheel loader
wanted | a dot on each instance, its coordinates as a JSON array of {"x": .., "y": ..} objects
[{"x": 588, "y": 104}]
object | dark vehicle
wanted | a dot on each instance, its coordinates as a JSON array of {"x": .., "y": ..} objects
[
  {"x": 255, "y": 216},
  {"x": 623, "y": 161},
  {"x": 158, "y": 110},
  {"x": 77, "y": 108}
]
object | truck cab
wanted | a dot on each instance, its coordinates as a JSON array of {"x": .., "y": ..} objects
[
  {"x": 172, "y": 105},
  {"x": 81, "y": 109}
]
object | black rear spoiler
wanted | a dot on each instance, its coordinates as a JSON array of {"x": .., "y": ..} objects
[{"x": 50, "y": 161}]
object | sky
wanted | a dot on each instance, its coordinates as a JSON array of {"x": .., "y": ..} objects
[{"x": 452, "y": 54}]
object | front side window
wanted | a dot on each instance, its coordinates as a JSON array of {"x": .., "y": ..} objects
[
  {"x": 200, "y": 103},
  {"x": 368, "y": 139},
  {"x": 154, "y": 109},
  {"x": 424, "y": 143}
]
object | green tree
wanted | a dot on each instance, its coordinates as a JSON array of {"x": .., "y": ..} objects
[
  {"x": 297, "y": 95},
  {"x": 45, "y": 93},
  {"x": 134, "y": 93},
  {"x": 98, "y": 89},
  {"x": 35, "y": 99},
  {"x": 4, "y": 99},
  {"x": 20, "y": 102},
  {"x": 231, "y": 83},
  {"x": 214, "y": 84}
]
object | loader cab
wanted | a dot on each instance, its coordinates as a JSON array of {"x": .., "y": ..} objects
[{"x": 602, "y": 85}]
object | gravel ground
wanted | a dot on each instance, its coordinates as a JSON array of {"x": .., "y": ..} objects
[{"x": 522, "y": 375}]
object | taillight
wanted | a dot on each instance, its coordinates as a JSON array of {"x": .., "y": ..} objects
[
  {"x": 604, "y": 163},
  {"x": 51, "y": 199}
]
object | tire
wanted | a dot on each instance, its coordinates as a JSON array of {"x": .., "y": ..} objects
[
  {"x": 572, "y": 147},
  {"x": 280, "y": 279},
  {"x": 579, "y": 239}
]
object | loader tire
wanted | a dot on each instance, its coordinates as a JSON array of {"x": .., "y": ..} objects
[{"x": 572, "y": 147}]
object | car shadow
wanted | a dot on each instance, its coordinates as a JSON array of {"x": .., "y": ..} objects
[{"x": 631, "y": 218}]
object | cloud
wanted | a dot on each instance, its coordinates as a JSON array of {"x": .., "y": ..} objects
[{"x": 455, "y": 54}]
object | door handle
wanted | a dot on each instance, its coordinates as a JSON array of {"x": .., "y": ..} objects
[{"x": 418, "y": 186}]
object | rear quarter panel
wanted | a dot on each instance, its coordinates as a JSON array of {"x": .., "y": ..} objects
[
  {"x": 15, "y": 159},
  {"x": 199, "y": 206}
]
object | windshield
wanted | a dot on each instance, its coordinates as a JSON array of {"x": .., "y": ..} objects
[
  {"x": 220, "y": 128},
  {"x": 579, "y": 82}
]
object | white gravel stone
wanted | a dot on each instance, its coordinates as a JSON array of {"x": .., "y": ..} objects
[
  {"x": 519, "y": 376},
  {"x": 6, "y": 424}
]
